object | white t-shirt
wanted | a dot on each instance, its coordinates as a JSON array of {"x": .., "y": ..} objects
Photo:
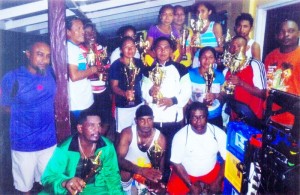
[
  {"x": 198, "y": 153},
  {"x": 80, "y": 92}
]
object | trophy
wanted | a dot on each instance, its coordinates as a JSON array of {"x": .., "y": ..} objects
[
  {"x": 197, "y": 26},
  {"x": 103, "y": 64},
  {"x": 208, "y": 77},
  {"x": 155, "y": 154},
  {"x": 142, "y": 48},
  {"x": 156, "y": 76},
  {"x": 91, "y": 57},
  {"x": 90, "y": 168},
  {"x": 236, "y": 64},
  {"x": 130, "y": 74},
  {"x": 184, "y": 35}
]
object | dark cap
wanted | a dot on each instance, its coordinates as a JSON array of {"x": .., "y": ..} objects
[{"x": 143, "y": 110}]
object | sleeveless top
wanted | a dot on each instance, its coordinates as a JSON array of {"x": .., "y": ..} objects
[
  {"x": 208, "y": 38},
  {"x": 249, "y": 44},
  {"x": 135, "y": 155}
]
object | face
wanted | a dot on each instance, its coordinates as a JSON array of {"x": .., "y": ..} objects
[
  {"x": 90, "y": 130},
  {"x": 198, "y": 121},
  {"x": 206, "y": 59},
  {"x": 76, "y": 34},
  {"x": 128, "y": 49},
  {"x": 179, "y": 17},
  {"x": 163, "y": 51},
  {"x": 243, "y": 28},
  {"x": 145, "y": 123},
  {"x": 39, "y": 57},
  {"x": 129, "y": 33},
  {"x": 289, "y": 34},
  {"x": 167, "y": 16},
  {"x": 89, "y": 35},
  {"x": 203, "y": 11},
  {"x": 236, "y": 45}
]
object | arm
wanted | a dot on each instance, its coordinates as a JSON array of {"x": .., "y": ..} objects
[
  {"x": 77, "y": 75},
  {"x": 255, "y": 50},
  {"x": 115, "y": 88},
  {"x": 180, "y": 170},
  {"x": 122, "y": 150},
  {"x": 217, "y": 29}
]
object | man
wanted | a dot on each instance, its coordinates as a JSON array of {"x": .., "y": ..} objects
[
  {"x": 28, "y": 94},
  {"x": 68, "y": 168},
  {"x": 283, "y": 65},
  {"x": 250, "y": 84},
  {"x": 194, "y": 155},
  {"x": 132, "y": 149},
  {"x": 99, "y": 80},
  {"x": 184, "y": 48},
  {"x": 243, "y": 27},
  {"x": 175, "y": 91},
  {"x": 80, "y": 90}
]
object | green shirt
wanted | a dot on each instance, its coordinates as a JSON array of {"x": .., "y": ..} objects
[{"x": 63, "y": 163}]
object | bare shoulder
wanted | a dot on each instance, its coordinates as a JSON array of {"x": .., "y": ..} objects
[{"x": 126, "y": 134}]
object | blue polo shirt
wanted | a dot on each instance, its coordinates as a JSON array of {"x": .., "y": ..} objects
[{"x": 31, "y": 99}]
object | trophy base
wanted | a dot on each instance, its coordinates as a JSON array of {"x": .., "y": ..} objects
[{"x": 131, "y": 103}]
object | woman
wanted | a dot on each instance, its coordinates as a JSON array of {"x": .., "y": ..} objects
[
  {"x": 127, "y": 99},
  {"x": 164, "y": 28},
  {"x": 211, "y": 34},
  {"x": 124, "y": 31},
  {"x": 213, "y": 98}
]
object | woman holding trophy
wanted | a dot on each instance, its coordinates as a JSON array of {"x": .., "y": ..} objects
[
  {"x": 206, "y": 85},
  {"x": 125, "y": 79},
  {"x": 209, "y": 33}
]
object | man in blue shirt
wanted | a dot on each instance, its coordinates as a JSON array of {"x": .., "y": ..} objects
[{"x": 28, "y": 94}]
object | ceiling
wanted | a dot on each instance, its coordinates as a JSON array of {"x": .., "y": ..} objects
[{"x": 31, "y": 16}]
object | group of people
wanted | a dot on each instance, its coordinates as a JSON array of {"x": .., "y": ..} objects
[{"x": 170, "y": 98}]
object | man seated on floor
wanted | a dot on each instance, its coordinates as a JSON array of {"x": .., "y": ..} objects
[
  {"x": 135, "y": 142},
  {"x": 195, "y": 147},
  {"x": 84, "y": 163}
]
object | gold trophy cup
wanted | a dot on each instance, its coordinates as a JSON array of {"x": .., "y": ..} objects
[
  {"x": 155, "y": 154},
  {"x": 209, "y": 78},
  {"x": 90, "y": 168},
  {"x": 236, "y": 64},
  {"x": 143, "y": 46},
  {"x": 131, "y": 73},
  {"x": 156, "y": 76},
  {"x": 183, "y": 38},
  {"x": 197, "y": 26}
]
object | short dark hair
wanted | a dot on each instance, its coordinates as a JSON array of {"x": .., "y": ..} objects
[
  {"x": 195, "y": 106},
  {"x": 208, "y": 5},
  {"x": 239, "y": 37},
  {"x": 208, "y": 48},
  {"x": 84, "y": 114},
  {"x": 124, "y": 39},
  {"x": 171, "y": 43},
  {"x": 179, "y": 7},
  {"x": 69, "y": 21},
  {"x": 90, "y": 25},
  {"x": 143, "y": 110},
  {"x": 244, "y": 16},
  {"x": 122, "y": 30},
  {"x": 163, "y": 9},
  {"x": 287, "y": 19},
  {"x": 31, "y": 43}
]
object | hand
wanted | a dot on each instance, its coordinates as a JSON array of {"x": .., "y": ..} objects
[
  {"x": 216, "y": 186},
  {"x": 167, "y": 102},
  {"x": 151, "y": 174},
  {"x": 209, "y": 98},
  {"x": 196, "y": 188},
  {"x": 154, "y": 91},
  {"x": 129, "y": 94},
  {"x": 75, "y": 185},
  {"x": 235, "y": 80}
]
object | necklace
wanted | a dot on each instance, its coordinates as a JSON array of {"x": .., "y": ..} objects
[
  {"x": 82, "y": 152},
  {"x": 143, "y": 146}
]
